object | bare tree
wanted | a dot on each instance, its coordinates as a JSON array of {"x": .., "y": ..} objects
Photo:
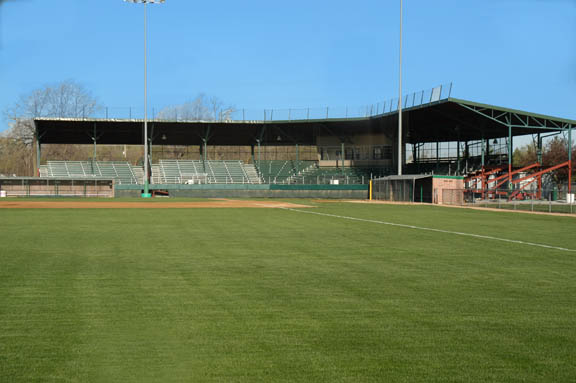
[
  {"x": 15, "y": 157},
  {"x": 201, "y": 108},
  {"x": 64, "y": 99}
]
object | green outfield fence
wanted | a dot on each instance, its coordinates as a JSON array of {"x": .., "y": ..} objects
[{"x": 248, "y": 191}]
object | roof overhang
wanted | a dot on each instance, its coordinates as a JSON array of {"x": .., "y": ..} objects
[{"x": 446, "y": 120}]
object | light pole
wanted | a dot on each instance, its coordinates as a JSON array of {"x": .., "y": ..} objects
[
  {"x": 400, "y": 100},
  {"x": 146, "y": 193}
]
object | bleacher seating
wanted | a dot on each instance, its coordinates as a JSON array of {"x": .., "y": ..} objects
[
  {"x": 221, "y": 172},
  {"x": 214, "y": 172},
  {"x": 347, "y": 175},
  {"x": 120, "y": 171},
  {"x": 278, "y": 171}
]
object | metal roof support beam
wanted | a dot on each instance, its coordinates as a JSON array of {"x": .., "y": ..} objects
[
  {"x": 508, "y": 122},
  {"x": 537, "y": 122},
  {"x": 480, "y": 112},
  {"x": 520, "y": 118}
]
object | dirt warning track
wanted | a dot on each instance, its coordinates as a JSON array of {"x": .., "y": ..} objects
[{"x": 209, "y": 203}]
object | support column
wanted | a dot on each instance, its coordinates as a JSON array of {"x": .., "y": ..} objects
[
  {"x": 38, "y": 155},
  {"x": 297, "y": 159},
  {"x": 342, "y": 155},
  {"x": 483, "y": 177},
  {"x": 466, "y": 156},
  {"x": 205, "y": 147},
  {"x": 483, "y": 152},
  {"x": 150, "y": 140},
  {"x": 570, "y": 159},
  {"x": 458, "y": 157},
  {"x": 95, "y": 140},
  {"x": 259, "y": 157},
  {"x": 437, "y": 157},
  {"x": 415, "y": 155},
  {"x": 419, "y": 155},
  {"x": 539, "y": 155},
  {"x": 204, "y": 153},
  {"x": 510, "y": 157}
]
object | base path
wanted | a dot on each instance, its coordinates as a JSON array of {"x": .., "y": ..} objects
[{"x": 209, "y": 203}]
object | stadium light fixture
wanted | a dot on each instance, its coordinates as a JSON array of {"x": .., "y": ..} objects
[{"x": 146, "y": 193}]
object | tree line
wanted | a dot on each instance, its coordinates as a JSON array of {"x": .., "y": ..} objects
[{"x": 554, "y": 152}]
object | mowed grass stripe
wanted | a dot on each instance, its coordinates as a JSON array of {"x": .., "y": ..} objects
[
  {"x": 269, "y": 295},
  {"x": 413, "y": 227}
]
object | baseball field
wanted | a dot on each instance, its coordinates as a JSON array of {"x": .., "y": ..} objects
[{"x": 283, "y": 291}]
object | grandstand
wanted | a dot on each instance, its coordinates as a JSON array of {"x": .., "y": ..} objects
[{"x": 442, "y": 136}]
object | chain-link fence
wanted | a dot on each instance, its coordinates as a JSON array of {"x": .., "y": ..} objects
[
  {"x": 319, "y": 180},
  {"x": 393, "y": 191},
  {"x": 555, "y": 200},
  {"x": 172, "y": 113},
  {"x": 36, "y": 187},
  {"x": 404, "y": 189}
]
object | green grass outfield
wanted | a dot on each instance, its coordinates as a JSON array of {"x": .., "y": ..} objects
[{"x": 272, "y": 295}]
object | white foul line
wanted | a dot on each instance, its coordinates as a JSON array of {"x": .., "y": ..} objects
[{"x": 434, "y": 230}]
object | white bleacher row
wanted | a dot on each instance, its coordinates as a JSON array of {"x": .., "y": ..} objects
[
  {"x": 120, "y": 171},
  {"x": 196, "y": 171},
  {"x": 165, "y": 172}
]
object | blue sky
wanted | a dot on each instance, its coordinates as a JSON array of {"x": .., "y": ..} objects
[{"x": 256, "y": 54}]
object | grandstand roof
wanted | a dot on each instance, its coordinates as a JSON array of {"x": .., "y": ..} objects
[{"x": 446, "y": 120}]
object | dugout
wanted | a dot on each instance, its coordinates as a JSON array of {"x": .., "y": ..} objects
[{"x": 415, "y": 188}]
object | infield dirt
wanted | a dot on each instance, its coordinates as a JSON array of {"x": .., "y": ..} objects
[{"x": 210, "y": 203}]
